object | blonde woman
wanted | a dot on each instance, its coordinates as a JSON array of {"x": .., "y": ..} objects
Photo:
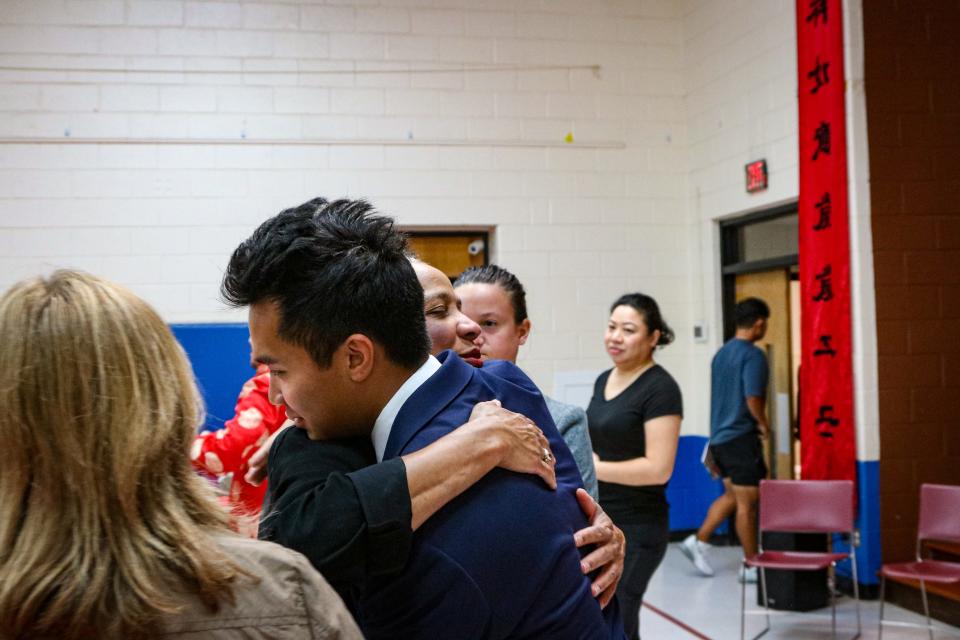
[{"x": 105, "y": 530}]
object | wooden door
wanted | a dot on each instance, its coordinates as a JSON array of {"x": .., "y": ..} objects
[
  {"x": 773, "y": 287},
  {"x": 450, "y": 252}
]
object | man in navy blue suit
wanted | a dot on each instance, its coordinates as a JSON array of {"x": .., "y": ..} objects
[{"x": 499, "y": 561}]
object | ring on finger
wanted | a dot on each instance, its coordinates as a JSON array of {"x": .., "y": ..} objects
[{"x": 545, "y": 455}]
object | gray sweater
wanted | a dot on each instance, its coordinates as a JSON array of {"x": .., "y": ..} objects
[{"x": 571, "y": 422}]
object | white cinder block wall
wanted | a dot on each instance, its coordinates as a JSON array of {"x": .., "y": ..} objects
[
  {"x": 740, "y": 87},
  {"x": 682, "y": 99}
]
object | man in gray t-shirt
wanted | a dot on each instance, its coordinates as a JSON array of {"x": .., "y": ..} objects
[{"x": 738, "y": 421}]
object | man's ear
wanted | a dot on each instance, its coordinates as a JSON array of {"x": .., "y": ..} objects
[
  {"x": 523, "y": 331},
  {"x": 360, "y": 354}
]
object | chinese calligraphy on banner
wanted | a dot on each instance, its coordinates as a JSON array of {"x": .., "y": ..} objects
[{"x": 826, "y": 374}]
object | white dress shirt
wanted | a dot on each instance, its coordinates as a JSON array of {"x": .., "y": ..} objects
[{"x": 384, "y": 424}]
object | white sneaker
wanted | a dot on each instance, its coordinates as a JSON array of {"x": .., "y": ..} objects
[
  {"x": 696, "y": 553},
  {"x": 748, "y": 575}
]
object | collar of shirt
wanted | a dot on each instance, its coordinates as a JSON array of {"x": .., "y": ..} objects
[{"x": 384, "y": 423}]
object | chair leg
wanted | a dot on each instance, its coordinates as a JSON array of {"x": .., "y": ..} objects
[
  {"x": 743, "y": 608},
  {"x": 831, "y": 585},
  {"x": 743, "y": 604},
  {"x": 926, "y": 608},
  {"x": 856, "y": 588},
  {"x": 766, "y": 601},
  {"x": 883, "y": 586}
]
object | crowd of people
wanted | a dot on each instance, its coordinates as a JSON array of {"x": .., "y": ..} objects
[{"x": 405, "y": 478}]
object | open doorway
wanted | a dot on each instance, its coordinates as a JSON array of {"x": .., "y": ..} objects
[{"x": 759, "y": 254}]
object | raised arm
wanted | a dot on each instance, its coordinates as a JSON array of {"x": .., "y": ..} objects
[
  {"x": 494, "y": 437},
  {"x": 352, "y": 518},
  {"x": 353, "y": 521}
]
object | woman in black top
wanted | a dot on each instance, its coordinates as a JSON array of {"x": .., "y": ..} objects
[{"x": 634, "y": 419}]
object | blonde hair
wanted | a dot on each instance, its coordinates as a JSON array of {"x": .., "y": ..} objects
[{"x": 104, "y": 526}]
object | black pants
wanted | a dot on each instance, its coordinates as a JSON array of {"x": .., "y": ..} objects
[{"x": 646, "y": 546}]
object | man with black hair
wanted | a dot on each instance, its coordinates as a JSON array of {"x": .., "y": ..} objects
[
  {"x": 337, "y": 313},
  {"x": 738, "y": 422}
]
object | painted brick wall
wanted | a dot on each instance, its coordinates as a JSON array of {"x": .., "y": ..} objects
[
  {"x": 913, "y": 115},
  {"x": 578, "y": 225},
  {"x": 740, "y": 85}
]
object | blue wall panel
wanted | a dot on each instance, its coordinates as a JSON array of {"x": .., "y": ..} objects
[
  {"x": 220, "y": 355},
  {"x": 691, "y": 490},
  {"x": 868, "y": 524}
]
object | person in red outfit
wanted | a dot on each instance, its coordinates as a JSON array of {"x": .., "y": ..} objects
[{"x": 228, "y": 450}]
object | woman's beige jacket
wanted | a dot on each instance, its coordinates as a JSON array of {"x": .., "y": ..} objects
[{"x": 291, "y": 600}]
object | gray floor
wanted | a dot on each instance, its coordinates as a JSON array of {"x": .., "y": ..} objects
[{"x": 711, "y": 607}]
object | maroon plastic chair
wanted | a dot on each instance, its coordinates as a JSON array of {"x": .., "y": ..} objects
[
  {"x": 804, "y": 506},
  {"x": 939, "y": 520}
]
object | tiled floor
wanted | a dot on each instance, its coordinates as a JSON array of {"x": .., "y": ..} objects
[{"x": 710, "y": 608}]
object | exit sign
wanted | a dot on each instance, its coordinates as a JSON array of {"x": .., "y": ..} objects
[{"x": 756, "y": 176}]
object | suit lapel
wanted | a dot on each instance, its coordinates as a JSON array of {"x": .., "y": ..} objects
[{"x": 426, "y": 402}]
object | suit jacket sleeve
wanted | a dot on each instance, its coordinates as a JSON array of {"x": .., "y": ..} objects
[{"x": 350, "y": 518}]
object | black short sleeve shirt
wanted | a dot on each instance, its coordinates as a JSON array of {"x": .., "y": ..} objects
[{"x": 618, "y": 433}]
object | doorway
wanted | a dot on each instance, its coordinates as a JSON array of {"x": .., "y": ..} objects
[{"x": 759, "y": 256}]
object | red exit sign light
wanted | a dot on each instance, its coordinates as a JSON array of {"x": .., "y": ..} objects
[{"x": 756, "y": 176}]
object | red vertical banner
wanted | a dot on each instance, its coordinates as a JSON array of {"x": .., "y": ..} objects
[{"x": 827, "y": 436}]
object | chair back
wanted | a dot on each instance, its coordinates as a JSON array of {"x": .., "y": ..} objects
[
  {"x": 806, "y": 506},
  {"x": 939, "y": 512}
]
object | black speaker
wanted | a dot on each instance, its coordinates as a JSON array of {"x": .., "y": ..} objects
[{"x": 795, "y": 590}]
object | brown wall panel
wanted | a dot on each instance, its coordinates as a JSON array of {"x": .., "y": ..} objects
[{"x": 913, "y": 122}]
